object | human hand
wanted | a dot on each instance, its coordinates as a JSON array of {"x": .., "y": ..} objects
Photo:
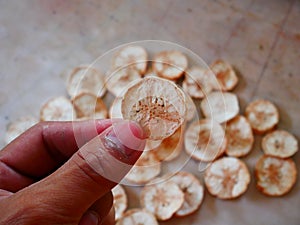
[{"x": 63, "y": 172}]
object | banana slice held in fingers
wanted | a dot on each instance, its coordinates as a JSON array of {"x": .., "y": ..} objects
[
  {"x": 227, "y": 178},
  {"x": 275, "y": 176},
  {"x": 280, "y": 143},
  {"x": 137, "y": 217},
  {"x": 120, "y": 201},
  {"x": 170, "y": 64}
]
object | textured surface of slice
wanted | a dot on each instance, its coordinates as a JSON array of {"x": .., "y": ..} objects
[
  {"x": 191, "y": 109},
  {"x": 275, "y": 176},
  {"x": 170, "y": 64},
  {"x": 193, "y": 192},
  {"x": 58, "y": 109},
  {"x": 137, "y": 217},
  {"x": 158, "y": 105},
  {"x": 239, "y": 136},
  {"x": 120, "y": 201},
  {"x": 205, "y": 140},
  {"x": 225, "y": 74},
  {"x": 262, "y": 115},
  {"x": 19, "y": 126},
  {"x": 280, "y": 143},
  {"x": 132, "y": 56},
  {"x": 146, "y": 168},
  {"x": 227, "y": 178},
  {"x": 198, "y": 82},
  {"x": 220, "y": 106},
  {"x": 162, "y": 199},
  {"x": 87, "y": 105},
  {"x": 85, "y": 79}
]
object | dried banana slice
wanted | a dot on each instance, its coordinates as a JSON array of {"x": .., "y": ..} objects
[
  {"x": 120, "y": 201},
  {"x": 227, "y": 178},
  {"x": 197, "y": 82},
  {"x": 117, "y": 82},
  {"x": 262, "y": 115},
  {"x": 205, "y": 140},
  {"x": 170, "y": 64},
  {"x": 158, "y": 105},
  {"x": 132, "y": 56},
  {"x": 170, "y": 147},
  {"x": 58, "y": 109},
  {"x": 87, "y": 105},
  {"x": 85, "y": 79},
  {"x": 280, "y": 143},
  {"x": 275, "y": 176},
  {"x": 19, "y": 126},
  {"x": 220, "y": 106},
  {"x": 193, "y": 192},
  {"x": 146, "y": 168},
  {"x": 239, "y": 136},
  {"x": 115, "y": 108},
  {"x": 137, "y": 217},
  {"x": 225, "y": 74},
  {"x": 162, "y": 199}
]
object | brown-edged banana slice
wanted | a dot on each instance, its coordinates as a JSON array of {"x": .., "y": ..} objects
[
  {"x": 117, "y": 81},
  {"x": 220, "y": 106},
  {"x": 87, "y": 105},
  {"x": 19, "y": 126},
  {"x": 58, "y": 109},
  {"x": 170, "y": 64},
  {"x": 239, "y": 136},
  {"x": 262, "y": 115},
  {"x": 170, "y": 147},
  {"x": 275, "y": 176},
  {"x": 162, "y": 199},
  {"x": 120, "y": 201},
  {"x": 193, "y": 192},
  {"x": 137, "y": 217},
  {"x": 280, "y": 143},
  {"x": 158, "y": 105},
  {"x": 146, "y": 168},
  {"x": 197, "y": 82},
  {"x": 227, "y": 178},
  {"x": 225, "y": 74},
  {"x": 132, "y": 56},
  {"x": 85, "y": 79},
  {"x": 205, "y": 140}
]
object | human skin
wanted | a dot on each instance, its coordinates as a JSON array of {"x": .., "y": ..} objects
[{"x": 50, "y": 175}]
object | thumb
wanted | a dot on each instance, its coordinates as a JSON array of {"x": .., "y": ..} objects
[{"x": 89, "y": 174}]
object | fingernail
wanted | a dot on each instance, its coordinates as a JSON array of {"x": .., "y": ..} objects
[{"x": 90, "y": 218}]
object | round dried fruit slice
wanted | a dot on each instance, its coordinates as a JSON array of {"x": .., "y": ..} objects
[
  {"x": 275, "y": 176},
  {"x": 170, "y": 147},
  {"x": 158, "y": 105},
  {"x": 280, "y": 143},
  {"x": 227, "y": 178},
  {"x": 87, "y": 105},
  {"x": 132, "y": 56},
  {"x": 197, "y": 82},
  {"x": 162, "y": 199},
  {"x": 146, "y": 168},
  {"x": 225, "y": 74},
  {"x": 239, "y": 137},
  {"x": 120, "y": 79},
  {"x": 120, "y": 201},
  {"x": 58, "y": 109},
  {"x": 19, "y": 126},
  {"x": 205, "y": 140},
  {"x": 115, "y": 108},
  {"x": 170, "y": 64},
  {"x": 85, "y": 79},
  {"x": 220, "y": 106},
  {"x": 193, "y": 192},
  {"x": 137, "y": 217},
  {"x": 262, "y": 115}
]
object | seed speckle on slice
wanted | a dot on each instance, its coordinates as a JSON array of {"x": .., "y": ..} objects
[
  {"x": 275, "y": 176},
  {"x": 227, "y": 178}
]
